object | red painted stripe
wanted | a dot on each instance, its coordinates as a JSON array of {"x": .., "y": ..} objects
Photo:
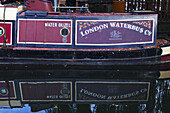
[
  {"x": 9, "y": 6},
  {"x": 67, "y": 49},
  {"x": 165, "y": 58}
]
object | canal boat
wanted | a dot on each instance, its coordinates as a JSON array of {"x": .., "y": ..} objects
[{"x": 40, "y": 38}]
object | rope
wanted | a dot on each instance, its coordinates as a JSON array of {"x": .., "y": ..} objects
[
  {"x": 4, "y": 44},
  {"x": 8, "y": 86}
]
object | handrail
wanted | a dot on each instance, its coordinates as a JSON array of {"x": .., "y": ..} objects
[{"x": 71, "y": 7}]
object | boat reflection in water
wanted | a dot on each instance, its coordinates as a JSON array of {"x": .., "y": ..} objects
[
  {"x": 98, "y": 63},
  {"x": 54, "y": 95}
]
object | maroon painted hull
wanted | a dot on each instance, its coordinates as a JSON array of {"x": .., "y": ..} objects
[{"x": 165, "y": 62}]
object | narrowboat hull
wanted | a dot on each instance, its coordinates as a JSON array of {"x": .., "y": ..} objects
[
  {"x": 55, "y": 41},
  {"x": 80, "y": 64},
  {"x": 82, "y": 59}
]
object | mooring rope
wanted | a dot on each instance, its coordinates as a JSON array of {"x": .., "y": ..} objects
[
  {"x": 4, "y": 43},
  {"x": 8, "y": 86}
]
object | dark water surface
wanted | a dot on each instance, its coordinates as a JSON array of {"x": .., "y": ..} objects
[{"x": 159, "y": 102}]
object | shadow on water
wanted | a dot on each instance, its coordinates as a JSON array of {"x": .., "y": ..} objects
[{"x": 158, "y": 102}]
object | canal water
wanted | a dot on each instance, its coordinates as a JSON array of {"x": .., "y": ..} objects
[{"x": 159, "y": 102}]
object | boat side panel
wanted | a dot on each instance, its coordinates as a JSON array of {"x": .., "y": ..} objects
[
  {"x": 67, "y": 31},
  {"x": 44, "y": 31},
  {"x": 7, "y": 29},
  {"x": 116, "y": 31}
]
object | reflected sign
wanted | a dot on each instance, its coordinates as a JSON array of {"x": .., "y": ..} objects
[
  {"x": 7, "y": 90},
  {"x": 96, "y": 91},
  {"x": 46, "y": 91}
]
